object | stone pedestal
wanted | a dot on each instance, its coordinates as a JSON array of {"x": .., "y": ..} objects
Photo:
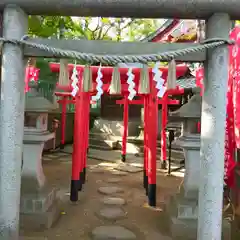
[
  {"x": 39, "y": 204},
  {"x": 182, "y": 210}
]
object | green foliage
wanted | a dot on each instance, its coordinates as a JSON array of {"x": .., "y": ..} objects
[{"x": 114, "y": 29}]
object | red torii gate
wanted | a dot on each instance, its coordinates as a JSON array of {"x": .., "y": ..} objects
[
  {"x": 150, "y": 121},
  {"x": 107, "y": 71}
]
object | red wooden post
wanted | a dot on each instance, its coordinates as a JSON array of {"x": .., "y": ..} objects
[
  {"x": 125, "y": 128},
  {"x": 163, "y": 132},
  {"x": 145, "y": 128},
  {"x": 76, "y": 183},
  {"x": 63, "y": 121},
  {"x": 152, "y": 161}
]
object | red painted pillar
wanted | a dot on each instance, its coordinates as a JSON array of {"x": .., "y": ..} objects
[
  {"x": 163, "y": 132},
  {"x": 152, "y": 160},
  {"x": 145, "y": 128},
  {"x": 76, "y": 183},
  {"x": 63, "y": 122},
  {"x": 125, "y": 128}
]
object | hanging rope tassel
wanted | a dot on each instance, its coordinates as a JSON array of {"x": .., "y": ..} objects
[
  {"x": 87, "y": 79},
  {"x": 171, "y": 79},
  {"x": 99, "y": 85},
  {"x": 157, "y": 77},
  {"x": 74, "y": 79},
  {"x": 131, "y": 84},
  {"x": 63, "y": 78},
  {"x": 115, "y": 87},
  {"x": 144, "y": 87}
]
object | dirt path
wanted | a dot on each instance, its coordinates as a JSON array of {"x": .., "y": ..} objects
[{"x": 79, "y": 221}]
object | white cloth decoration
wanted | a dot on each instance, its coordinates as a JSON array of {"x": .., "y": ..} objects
[
  {"x": 159, "y": 80},
  {"x": 74, "y": 79},
  {"x": 99, "y": 85},
  {"x": 131, "y": 84}
]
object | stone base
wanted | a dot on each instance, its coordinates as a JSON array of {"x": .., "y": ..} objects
[
  {"x": 182, "y": 218},
  {"x": 40, "y": 221},
  {"x": 37, "y": 202},
  {"x": 187, "y": 229},
  {"x": 39, "y": 210}
]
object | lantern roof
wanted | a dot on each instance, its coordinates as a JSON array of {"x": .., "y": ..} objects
[
  {"x": 190, "y": 110},
  {"x": 34, "y": 102}
]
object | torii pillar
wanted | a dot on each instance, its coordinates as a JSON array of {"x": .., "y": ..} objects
[
  {"x": 213, "y": 131},
  {"x": 15, "y": 25}
]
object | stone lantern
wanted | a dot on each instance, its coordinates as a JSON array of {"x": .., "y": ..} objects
[
  {"x": 38, "y": 201},
  {"x": 183, "y": 208}
]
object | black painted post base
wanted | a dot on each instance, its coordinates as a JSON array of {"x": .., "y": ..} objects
[
  {"x": 145, "y": 179},
  {"x": 81, "y": 182},
  {"x": 146, "y": 192},
  {"x": 61, "y": 146},
  {"x": 84, "y": 175},
  {"x": 123, "y": 158},
  {"x": 152, "y": 192},
  {"x": 163, "y": 164},
  {"x": 80, "y": 185},
  {"x": 74, "y": 190}
]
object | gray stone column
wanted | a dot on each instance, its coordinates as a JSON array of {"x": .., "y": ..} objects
[
  {"x": 11, "y": 122},
  {"x": 213, "y": 132}
]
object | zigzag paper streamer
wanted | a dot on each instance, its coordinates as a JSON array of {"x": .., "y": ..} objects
[
  {"x": 159, "y": 80},
  {"x": 74, "y": 79},
  {"x": 131, "y": 84},
  {"x": 99, "y": 85}
]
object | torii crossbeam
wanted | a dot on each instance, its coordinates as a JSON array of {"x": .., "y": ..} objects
[{"x": 184, "y": 9}]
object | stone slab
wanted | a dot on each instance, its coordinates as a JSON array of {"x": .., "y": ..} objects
[
  {"x": 40, "y": 221},
  {"x": 112, "y": 213},
  {"x": 110, "y": 190},
  {"x": 112, "y": 233},
  {"x": 113, "y": 201}
]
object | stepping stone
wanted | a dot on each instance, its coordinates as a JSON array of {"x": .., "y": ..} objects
[
  {"x": 97, "y": 170},
  {"x": 114, "y": 180},
  {"x": 112, "y": 233},
  {"x": 112, "y": 213},
  {"x": 128, "y": 168},
  {"x": 113, "y": 201},
  {"x": 118, "y": 173},
  {"x": 110, "y": 190}
]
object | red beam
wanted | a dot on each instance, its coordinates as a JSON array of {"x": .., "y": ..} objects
[
  {"x": 139, "y": 102},
  {"x": 72, "y": 101}
]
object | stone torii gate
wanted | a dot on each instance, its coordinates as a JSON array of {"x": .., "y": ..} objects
[{"x": 15, "y": 17}]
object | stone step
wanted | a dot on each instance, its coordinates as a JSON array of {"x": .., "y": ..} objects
[
  {"x": 103, "y": 143},
  {"x": 99, "y": 134},
  {"x": 99, "y": 147}
]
